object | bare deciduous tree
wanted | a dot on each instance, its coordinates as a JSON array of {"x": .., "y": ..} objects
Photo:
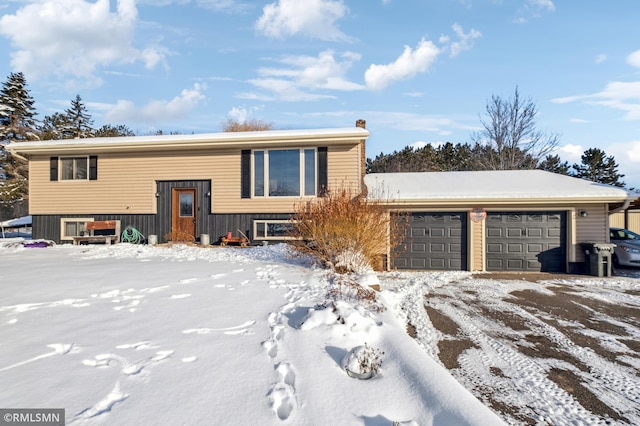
[
  {"x": 245, "y": 126},
  {"x": 511, "y": 131}
]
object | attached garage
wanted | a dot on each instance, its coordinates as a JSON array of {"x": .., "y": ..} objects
[
  {"x": 434, "y": 241},
  {"x": 526, "y": 241},
  {"x": 497, "y": 220}
]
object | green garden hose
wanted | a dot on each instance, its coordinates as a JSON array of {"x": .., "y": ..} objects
[{"x": 132, "y": 235}]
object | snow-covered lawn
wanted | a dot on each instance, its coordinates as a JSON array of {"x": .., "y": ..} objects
[
  {"x": 138, "y": 335},
  {"x": 133, "y": 335}
]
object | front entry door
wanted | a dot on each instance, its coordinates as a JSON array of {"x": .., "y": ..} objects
[{"x": 183, "y": 214}]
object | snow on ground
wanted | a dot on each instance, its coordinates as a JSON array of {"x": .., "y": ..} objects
[{"x": 129, "y": 334}]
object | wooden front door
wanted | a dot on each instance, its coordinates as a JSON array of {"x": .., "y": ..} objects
[{"x": 183, "y": 214}]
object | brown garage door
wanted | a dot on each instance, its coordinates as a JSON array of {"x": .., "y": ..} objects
[
  {"x": 434, "y": 241},
  {"x": 526, "y": 241}
]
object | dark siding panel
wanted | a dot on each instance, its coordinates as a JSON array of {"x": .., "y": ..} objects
[
  {"x": 323, "y": 171},
  {"x": 93, "y": 167},
  {"x": 53, "y": 168},
  {"x": 163, "y": 219},
  {"x": 245, "y": 170}
]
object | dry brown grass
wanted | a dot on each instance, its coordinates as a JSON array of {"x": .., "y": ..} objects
[{"x": 177, "y": 236}]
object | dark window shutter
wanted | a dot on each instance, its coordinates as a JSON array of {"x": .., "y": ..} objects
[
  {"x": 53, "y": 168},
  {"x": 245, "y": 170},
  {"x": 323, "y": 176},
  {"x": 93, "y": 167}
]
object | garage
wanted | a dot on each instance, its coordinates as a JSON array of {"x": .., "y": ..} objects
[
  {"x": 434, "y": 241},
  {"x": 526, "y": 241}
]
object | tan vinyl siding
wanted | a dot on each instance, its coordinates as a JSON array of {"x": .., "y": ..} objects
[
  {"x": 616, "y": 220},
  {"x": 476, "y": 245},
  {"x": 589, "y": 228},
  {"x": 126, "y": 182}
]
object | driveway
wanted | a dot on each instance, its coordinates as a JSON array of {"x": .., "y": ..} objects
[{"x": 537, "y": 348}]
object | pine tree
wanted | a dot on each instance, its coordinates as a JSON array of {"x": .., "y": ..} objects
[
  {"x": 52, "y": 126},
  {"x": 597, "y": 167},
  {"x": 552, "y": 163},
  {"x": 109, "y": 131},
  {"x": 17, "y": 124},
  {"x": 78, "y": 122}
]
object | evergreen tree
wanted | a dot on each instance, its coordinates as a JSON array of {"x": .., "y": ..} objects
[
  {"x": 109, "y": 131},
  {"x": 78, "y": 122},
  {"x": 597, "y": 167},
  {"x": 17, "y": 124},
  {"x": 552, "y": 163},
  {"x": 53, "y": 126}
]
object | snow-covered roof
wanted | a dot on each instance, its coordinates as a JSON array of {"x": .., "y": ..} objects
[
  {"x": 17, "y": 222},
  {"x": 498, "y": 185},
  {"x": 178, "y": 142}
]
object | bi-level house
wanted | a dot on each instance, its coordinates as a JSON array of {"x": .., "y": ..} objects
[
  {"x": 205, "y": 184},
  {"x": 212, "y": 184}
]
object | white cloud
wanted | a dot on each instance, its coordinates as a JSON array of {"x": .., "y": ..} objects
[
  {"x": 633, "y": 59},
  {"x": 72, "y": 38},
  {"x": 410, "y": 63},
  {"x": 216, "y": 5},
  {"x": 534, "y": 9},
  {"x": 157, "y": 112},
  {"x": 620, "y": 95},
  {"x": 465, "y": 41},
  {"x": 302, "y": 75},
  {"x": 578, "y": 120},
  {"x": 570, "y": 153},
  {"x": 312, "y": 18},
  {"x": 241, "y": 114}
]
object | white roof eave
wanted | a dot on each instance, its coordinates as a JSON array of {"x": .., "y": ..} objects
[{"x": 191, "y": 142}]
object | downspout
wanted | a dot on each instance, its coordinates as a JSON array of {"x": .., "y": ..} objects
[{"x": 622, "y": 208}]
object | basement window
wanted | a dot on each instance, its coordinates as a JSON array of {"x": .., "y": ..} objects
[
  {"x": 73, "y": 227},
  {"x": 272, "y": 229}
]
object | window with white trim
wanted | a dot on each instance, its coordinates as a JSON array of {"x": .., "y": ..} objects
[
  {"x": 74, "y": 168},
  {"x": 272, "y": 229},
  {"x": 73, "y": 227},
  {"x": 284, "y": 172}
]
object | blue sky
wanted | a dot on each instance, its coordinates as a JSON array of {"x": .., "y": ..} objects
[{"x": 418, "y": 71}]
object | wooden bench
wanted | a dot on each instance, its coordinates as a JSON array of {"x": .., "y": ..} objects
[{"x": 108, "y": 231}]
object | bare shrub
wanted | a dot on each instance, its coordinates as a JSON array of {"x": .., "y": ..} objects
[
  {"x": 346, "y": 230},
  {"x": 346, "y": 288}
]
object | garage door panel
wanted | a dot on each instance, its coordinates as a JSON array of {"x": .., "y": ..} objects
[
  {"x": 494, "y": 233},
  {"x": 515, "y": 248},
  {"x": 437, "y": 232},
  {"x": 538, "y": 243},
  {"x": 436, "y": 241},
  {"x": 494, "y": 248},
  {"x": 514, "y": 233},
  {"x": 537, "y": 248},
  {"x": 437, "y": 248},
  {"x": 535, "y": 232},
  {"x": 420, "y": 248},
  {"x": 418, "y": 232}
]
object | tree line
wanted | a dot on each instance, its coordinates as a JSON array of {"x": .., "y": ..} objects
[{"x": 509, "y": 140}]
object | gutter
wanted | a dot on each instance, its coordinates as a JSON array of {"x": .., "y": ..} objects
[{"x": 622, "y": 208}]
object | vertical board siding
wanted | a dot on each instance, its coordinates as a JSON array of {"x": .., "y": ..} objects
[{"x": 215, "y": 225}]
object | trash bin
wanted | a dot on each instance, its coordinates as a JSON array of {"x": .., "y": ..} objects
[{"x": 598, "y": 258}]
